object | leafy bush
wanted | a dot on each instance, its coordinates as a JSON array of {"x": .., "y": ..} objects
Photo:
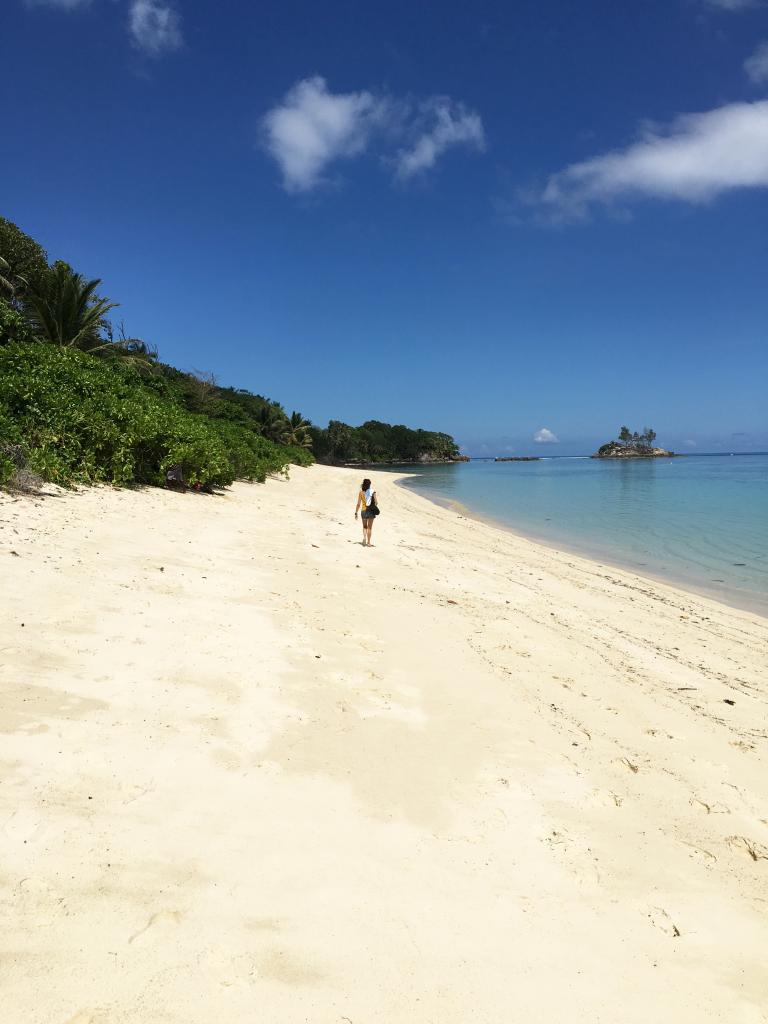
[
  {"x": 13, "y": 324},
  {"x": 25, "y": 257},
  {"x": 83, "y": 420},
  {"x": 9, "y": 442}
]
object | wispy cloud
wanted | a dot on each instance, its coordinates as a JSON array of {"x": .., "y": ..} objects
[
  {"x": 62, "y": 5},
  {"x": 312, "y": 128},
  {"x": 756, "y": 66},
  {"x": 732, "y": 5},
  {"x": 695, "y": 159},
  {"x": 446, "y": 124},
  {"x": 155, "y": 27},
  {"x": 545, "y": 436}
]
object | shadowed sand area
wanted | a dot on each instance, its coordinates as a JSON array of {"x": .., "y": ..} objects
[{"x": 252, "y": 771}]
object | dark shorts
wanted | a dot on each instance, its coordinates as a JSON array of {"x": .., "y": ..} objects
[{"x": 367, "y": 514}]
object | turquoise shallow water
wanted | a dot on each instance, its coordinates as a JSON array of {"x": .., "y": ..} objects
[{"x": 700, "y": 522}]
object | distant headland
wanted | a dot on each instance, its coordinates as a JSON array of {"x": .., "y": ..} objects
[
  {"x": 517, "y": 458},
  {"x": 631, "y": 445},
  {"x": 423, "y": 459}
]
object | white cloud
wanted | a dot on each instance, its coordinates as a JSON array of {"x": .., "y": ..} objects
[
  {"x": 756, "y": 66},
  {"x": 689, "y": 442},
  {"x": 447, "y": 124},
  {"x": 155, "y": 27},
  {"x": 695, "y": 159},
  {"x": 545, "y": 436},
  {"x": 311, "y": 128}
]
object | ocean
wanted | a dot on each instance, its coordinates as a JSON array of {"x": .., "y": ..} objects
[{"x": 700, "y": 522}]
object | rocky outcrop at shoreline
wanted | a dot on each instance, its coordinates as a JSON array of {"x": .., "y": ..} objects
[{"x": 427, "y": 459}]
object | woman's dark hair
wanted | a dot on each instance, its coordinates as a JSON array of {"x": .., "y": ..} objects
[{"x": 365, "y": 484}]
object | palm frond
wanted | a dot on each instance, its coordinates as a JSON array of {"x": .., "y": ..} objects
[{"x": 66, "y": 310}]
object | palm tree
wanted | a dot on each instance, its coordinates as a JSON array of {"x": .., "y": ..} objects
[
  {"x": 131, "y": 352},
  {"x": 273, "y": 423},
  {"x": 298, "y": 431},
  {"x": 65, "y": 310}
]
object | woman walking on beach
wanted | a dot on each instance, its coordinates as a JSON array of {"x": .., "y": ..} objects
[{"x": 366, "y": 505}]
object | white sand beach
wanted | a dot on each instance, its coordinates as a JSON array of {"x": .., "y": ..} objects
[{"x": 254, "y": 772}]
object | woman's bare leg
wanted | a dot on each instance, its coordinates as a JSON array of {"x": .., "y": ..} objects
[{"x": 370, "y": 528}]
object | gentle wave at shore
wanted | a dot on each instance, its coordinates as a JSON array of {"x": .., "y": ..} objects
[{"x": 701, "y": 522}]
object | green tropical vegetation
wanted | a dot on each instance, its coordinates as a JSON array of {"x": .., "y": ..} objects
[
  {"x": 381, "y": 442},
  {"x": 78, "y": 418},
  {"x": 64, "y": 309},
  {"x": 83, "y": 402}
]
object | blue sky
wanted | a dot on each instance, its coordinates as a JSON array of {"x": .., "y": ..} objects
[{"x": 494, "y": 219}]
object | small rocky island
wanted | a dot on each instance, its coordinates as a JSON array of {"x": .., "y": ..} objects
[
  {"x": 517, "y": 458},
  {"x": 633, "y": 446}
]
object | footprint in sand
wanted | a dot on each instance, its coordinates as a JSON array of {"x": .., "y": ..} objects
[
  {"x": 703, "y": 856},
  {"x": 561, "y": 839},
  {"x": 713, "y": 808},
  {"x": 742, "y": 745},
  {"x": 660, "y": 919},
  {"x": 160, "y": 921},
  {"x": 606, "y": 798},
  {"x": 754, "y": 850}
]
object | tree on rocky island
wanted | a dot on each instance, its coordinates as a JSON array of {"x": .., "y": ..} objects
[
  {"x": 649, "y": 437},
  {"x": 632, "y": 445},
  {"x": 631, "y": 439}
]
